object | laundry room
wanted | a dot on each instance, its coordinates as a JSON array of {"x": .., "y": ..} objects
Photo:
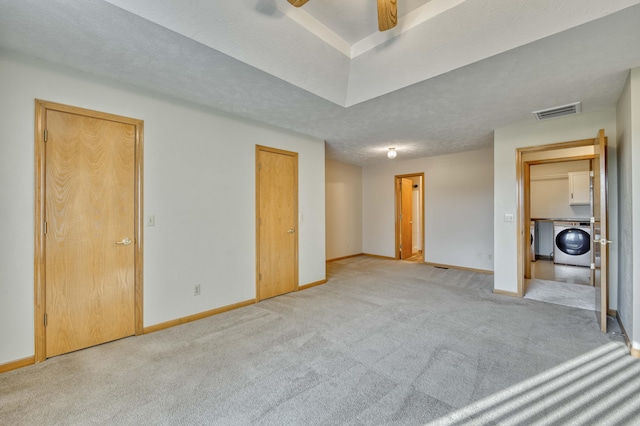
[{"x": 560, "y": 222}]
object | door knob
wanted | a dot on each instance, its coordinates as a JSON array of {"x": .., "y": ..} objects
[
  {"x": 125, "y": 241},
  {"x": 602, "y": 241},
  {"x": 291, "y": 231}
]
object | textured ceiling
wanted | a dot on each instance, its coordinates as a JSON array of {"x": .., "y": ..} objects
[{"x": 439, "y": 85}]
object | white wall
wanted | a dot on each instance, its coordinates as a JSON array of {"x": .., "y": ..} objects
[
  {"x": 458, "y": 207},
  {"x": 199, "y": 182},
  {"x": 343, "y": 209},
  {"x": 534, "y": 133},
  {"x": 550, "y": 191},
  {"x": 628, "y": 123},
  {"x": 635, "y": 140},
  {"x": 625, "y": 212}
]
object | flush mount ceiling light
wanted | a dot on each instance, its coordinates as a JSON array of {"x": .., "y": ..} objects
[{"x": 392, "y": 153}]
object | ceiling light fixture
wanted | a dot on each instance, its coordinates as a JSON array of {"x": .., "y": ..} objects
[{"x": 392, "y": 153}]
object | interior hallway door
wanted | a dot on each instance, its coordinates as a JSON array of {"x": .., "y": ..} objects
[
  {"x": 404, "y": 215},
  {"x": 406, "y": 218},
  {"x": 89, "y": 230},
  {"x": 277, "y": 230}
]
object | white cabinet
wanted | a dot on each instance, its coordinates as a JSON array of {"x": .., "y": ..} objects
[{"x": 579, "y": 191}]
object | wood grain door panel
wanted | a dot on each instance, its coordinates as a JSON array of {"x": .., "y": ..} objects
[
  {"x": 90, "y": 198},
  {"x": 277, "y": 223},
  {"x": 599, "y": 230},
  {"x": 406, "y": 190}
]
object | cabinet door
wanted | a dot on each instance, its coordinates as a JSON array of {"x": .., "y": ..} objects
[{"x": 579, "y": 188}]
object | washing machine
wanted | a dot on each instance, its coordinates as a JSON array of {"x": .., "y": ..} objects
[
  {"x": 533, "y": 240},
  {"x": 572, "y": 243}
]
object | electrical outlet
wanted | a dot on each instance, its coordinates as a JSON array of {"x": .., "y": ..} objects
[
  {"x": 489, "y": 256},
  {"x": 151, "y": 220},
  {"x": 479, "y": 255},
  {"x": 196, "y": 290}
]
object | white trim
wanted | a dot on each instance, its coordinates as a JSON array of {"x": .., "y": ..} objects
[
  {"x": 405, "y": 23},
  {"x": 315, "y": 27}
]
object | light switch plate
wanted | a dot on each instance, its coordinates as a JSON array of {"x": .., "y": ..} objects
[{"x": 509, "y": 217}]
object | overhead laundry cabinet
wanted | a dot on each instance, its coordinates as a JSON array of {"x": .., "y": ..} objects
[{"x": 579, "y": 183}]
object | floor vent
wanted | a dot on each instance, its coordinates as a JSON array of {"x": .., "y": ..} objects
[{"x": 560, "y": 111}]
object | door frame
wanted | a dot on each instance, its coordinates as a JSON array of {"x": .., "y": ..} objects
[
  {"x": 398, "y": 208},
  {"x": 296, "y": 215},
  {"x": 526, "y": 157},
  {"x": 41, "y": 107}
]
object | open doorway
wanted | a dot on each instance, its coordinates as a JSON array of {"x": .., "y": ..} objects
[
  {"x": 560, "y": 212},
  {"x": 593, "y": 232},
  {"x": 409, "y": 208}
]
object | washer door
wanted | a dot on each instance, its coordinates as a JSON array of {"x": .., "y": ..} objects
[{"x": 574, "y": 242}]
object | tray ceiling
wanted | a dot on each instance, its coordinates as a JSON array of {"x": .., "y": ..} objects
[{"x": 450, "y": 73}]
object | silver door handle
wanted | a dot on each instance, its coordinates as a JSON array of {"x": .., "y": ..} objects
[
  {"x": 602, "y": 241},
  {"x": 125, "y": 241},
  {"x": 291, "y": 231}
]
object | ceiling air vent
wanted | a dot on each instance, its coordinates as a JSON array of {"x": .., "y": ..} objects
[{"x": 559, "y": 111}]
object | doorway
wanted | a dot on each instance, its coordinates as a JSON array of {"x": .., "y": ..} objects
[
  {"x": 276, "y": 222},
  {"x": 560, "y": 212},
  {"x": 88, "y": 228},
  {"x": 596, "y": 230},
  {"x": 409, "y": 214}
]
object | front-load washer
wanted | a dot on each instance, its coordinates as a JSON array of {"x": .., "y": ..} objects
[
  {"x": 533, "y": 240},
  {"x": 572, "y": 243}
]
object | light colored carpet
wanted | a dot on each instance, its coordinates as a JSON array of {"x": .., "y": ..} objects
[
  {"x": 383, "y": 342},
  {"x": 601, "y": 387},
  {"x": 559, "y": 293}
]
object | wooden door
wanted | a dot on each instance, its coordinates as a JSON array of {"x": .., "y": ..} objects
[
  {"x": 406, "y": 218},
  {"x": 526, "y": 207},
  {"x": 599, "y": 229},
  {"x": 277, "y": 230},
  {"x": 90, "y": 236}
]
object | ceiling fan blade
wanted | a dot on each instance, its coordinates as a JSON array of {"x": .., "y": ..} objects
[
  {"x": 297, "y": 3},
  {"x": 387, "y": 14}
]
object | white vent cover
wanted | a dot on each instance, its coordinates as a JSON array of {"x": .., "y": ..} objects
[{"x": 559, "y": 111}]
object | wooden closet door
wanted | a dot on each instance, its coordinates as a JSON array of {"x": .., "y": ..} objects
[
  {"x": 277, "y": 201},
  {"x": 90, "y": 231}
]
